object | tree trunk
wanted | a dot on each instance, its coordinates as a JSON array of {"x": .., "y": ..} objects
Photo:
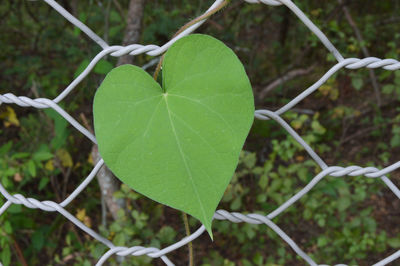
[{"x": 133, "y": 28}]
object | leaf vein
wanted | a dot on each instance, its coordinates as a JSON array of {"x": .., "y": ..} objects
[{"x": 184, "y": 161}]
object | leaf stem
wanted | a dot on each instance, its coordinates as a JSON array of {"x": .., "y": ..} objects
[
  {"x": 190, "y": 246},
  {"x": 187, "y": 25}
]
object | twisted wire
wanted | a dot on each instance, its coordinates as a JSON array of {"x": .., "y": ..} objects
[{"x": 234, "y": 217}]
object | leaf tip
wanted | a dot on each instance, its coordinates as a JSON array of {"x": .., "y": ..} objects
[
  {"x": 209, "y": 231},
  {"x": 208, "y": 226}
]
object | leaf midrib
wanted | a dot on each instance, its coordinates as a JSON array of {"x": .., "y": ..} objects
[{"x": 184, "y": 161}]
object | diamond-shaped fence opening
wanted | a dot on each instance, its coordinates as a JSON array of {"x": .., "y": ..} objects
[{"x": 154, "y": 50}]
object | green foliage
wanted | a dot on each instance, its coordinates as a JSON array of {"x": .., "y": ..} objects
[
  {"x": 342, "y": 231},
  {"x": 190, "y": 132}
]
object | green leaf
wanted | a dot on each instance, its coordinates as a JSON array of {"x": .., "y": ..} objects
[
  {"x": 178, "y": 145},
  {"x": 395, "y": 141},
  {"x": 15, "y": 209},
  {"x": 43, "y": 183},
  {"x": 4, "y": 149},
  {"x": 42, "y": 156},
  {"x": 166, "y": 234},
  {"x": 20, "y": 155},
  {"x": 263, "y": 182},
  {"x": 6, "y": 255},
  {"x": 322, "y": 241},
  {"x": 357, "y": 82},
  {"x": 119, "y": 239},
  {"x": 32, "y": 168},
  {"x": 394, "y": 242},
  {"x": 38, "y": 239},
  {"x": 7, "y": 227},
  {"x": 102, "y": 67},
  {"x": 236, "y": 203},
  {"x": 317, "y": 127},
  {"x": 388, "y": 89}
]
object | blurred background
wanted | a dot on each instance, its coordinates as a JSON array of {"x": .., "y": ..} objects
[{"x": 353, "y": 119}]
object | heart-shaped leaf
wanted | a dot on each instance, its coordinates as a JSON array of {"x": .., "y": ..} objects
[{"x": 178, "y": 145}]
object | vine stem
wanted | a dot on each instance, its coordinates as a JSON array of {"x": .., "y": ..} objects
[
  {"x": 187, "y": 25},
  {"x": 190, "y": 245}
]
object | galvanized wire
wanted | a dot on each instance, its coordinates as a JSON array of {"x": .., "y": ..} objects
[{"x": 155, "y": 50}]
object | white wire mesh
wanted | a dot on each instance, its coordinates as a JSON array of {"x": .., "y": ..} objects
[{"x": 154, "y": 50}]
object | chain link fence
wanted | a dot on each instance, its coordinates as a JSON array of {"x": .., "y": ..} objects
[{"x": 154, "y": 50}]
